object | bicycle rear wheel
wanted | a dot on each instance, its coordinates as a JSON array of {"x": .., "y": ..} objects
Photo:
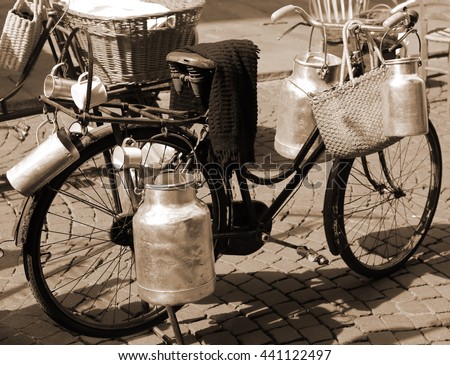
[
  {"x": 77, "y": 237},
  {"x": 378, "y": 209}
]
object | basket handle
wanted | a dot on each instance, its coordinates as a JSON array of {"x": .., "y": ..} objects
[{"x": 39, "y": 6}]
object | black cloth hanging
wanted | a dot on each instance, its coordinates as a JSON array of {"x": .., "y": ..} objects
[{"x": 233, "y": 102}]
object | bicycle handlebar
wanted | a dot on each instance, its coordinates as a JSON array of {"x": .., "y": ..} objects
[{"x": 406, "y": 16}]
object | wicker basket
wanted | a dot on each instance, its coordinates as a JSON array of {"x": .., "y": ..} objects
[{"x": 128, "y": 50}]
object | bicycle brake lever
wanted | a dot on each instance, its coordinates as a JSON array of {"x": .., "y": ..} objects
[{"x": 291, "y": 29}]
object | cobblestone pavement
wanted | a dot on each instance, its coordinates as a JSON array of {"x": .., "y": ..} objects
[{"x": 272, "y": 296}]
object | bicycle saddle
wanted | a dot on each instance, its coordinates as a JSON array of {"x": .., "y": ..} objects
[{"x": 190, "y": 59}]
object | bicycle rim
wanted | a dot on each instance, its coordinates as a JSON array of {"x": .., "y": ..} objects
[
  {"x": 378, "y": 209},
  {"x": 78, "y": 250}
]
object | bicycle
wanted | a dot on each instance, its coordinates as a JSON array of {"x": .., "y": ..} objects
[{"x": 76, "y": 230}]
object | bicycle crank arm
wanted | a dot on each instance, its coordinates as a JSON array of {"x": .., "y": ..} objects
[{"x": 303, "y": 251}]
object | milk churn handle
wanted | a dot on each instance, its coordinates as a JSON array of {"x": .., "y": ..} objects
[
  {"x": 197, "y": 167},
  {"x": 322, "y": 72},
  {"x": 401, "y": 39}
]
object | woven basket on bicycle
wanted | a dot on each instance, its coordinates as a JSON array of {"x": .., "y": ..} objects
[{"x": 133, "y": 49}]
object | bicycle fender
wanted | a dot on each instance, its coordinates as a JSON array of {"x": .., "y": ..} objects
[{"x": 19, "y": 219}]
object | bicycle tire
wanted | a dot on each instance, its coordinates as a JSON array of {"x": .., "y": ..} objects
[
  {"x": 78, "y": 262},
  {"x": 378, "y": 209}
]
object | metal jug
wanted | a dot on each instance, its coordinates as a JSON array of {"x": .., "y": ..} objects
[
  {"x": 295, "y": 117},
  {"x": 404, "y": 99},
  {"x": 173, "y": 242},
  {"x": 43, "y": 163}
]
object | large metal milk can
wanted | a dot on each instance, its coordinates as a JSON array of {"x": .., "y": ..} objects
[
  {"x": 295, "y": 117},
  {"x": 404, "y": 99},
  {"x": 173, "y": 242}
]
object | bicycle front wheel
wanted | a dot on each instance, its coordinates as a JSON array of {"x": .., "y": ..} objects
[
  {"x": 77, "y": 236},
  {"x": 378, "y": 209}
]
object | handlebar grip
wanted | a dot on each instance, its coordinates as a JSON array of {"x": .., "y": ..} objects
[
  {"x": 394, "y": 20},
  {"x": 410, "y": 18},
  {"x": 282, "y": 12}
]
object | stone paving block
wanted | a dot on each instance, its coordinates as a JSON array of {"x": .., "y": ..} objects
[
  {"x": 316, "y": 334},
  {"x": 369, "y": 324},
  {"x": 254, "y": 309},
  {"x": 239, "y": 325},
  {"x": 40, "y": 329},
  {"x": 18, "y": 338},
  {"x": 255, "y": 338},
  {"x": 6, "y": 331},
  {"x": 320, "y": 283},
  {"x": 288, "y": 309},
  {"x": 203, "y": 327},
  {"x": 190, "y": 313},
  {"x": 251, "y": 266},
  {"x": 348, "y": 282},
  {"x": 255, "y": 286},
  {"x": 366, "y": 293},
  {"x": 424, "y": 320},
  {"x": 285, "y": 265},
  {"x": 146, "y": 339},
  {"x": 303, "y": 320},
  {"x": 236, "y": 298},
  {"x": 444, "y": 268},
  {"x": 222, "y": 312},
  {"x": 285, "y": 335},
  {"x": 321, "y": 307},
  {"x": 409, "y": 280},
  {"x": 420, "y": 269},
  {"x": 303, "y": 274},
  {"x": 349, "y": 335},
  {"x": 237, "y": 278},
  {"x": 270, "y": 321},
  {"x": 355, "y": 308},
  {"x": 397, "y": 322},
  {"x": 435, "y": 334},
  {"x": 219, "y": 338},
  {"x": 444, "y": 290},
  {"x": 337, "y": 295},
  {"x": 337, "y": 320},
  {"x": 398, "y": 295},
  {"x": 412, "y": 307},
  {"x": 267, "y": 257},
  {"x": 223, "y": 268},
  {"x": 270, "y": 276},
  {"x": 441, "y": 247},
  {"x": 305, "y": 295},
  {"x": 382, "y": 338},
  {"x": 270, "y": 298},
  {"x": 438, "y": 305},
  {"x": 424, "y": 292},
  {"x": 444, "y": 318},
  {"x": 435, "y": 279},
  {"x": 288, "y": 285},
  {"x": 382, "y": 306},
  {"x": 18, "y": 321},
  {"x": 414, "y": 337},
  {"x": 331, "y": 272},
  {"x": 222, "y": 287}
]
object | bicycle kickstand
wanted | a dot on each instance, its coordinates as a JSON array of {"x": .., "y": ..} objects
[{"x": 302, "y": 251}]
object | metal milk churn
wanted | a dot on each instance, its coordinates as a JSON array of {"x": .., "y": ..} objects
[
  {"x": 295, "y": 117},
  {"x": 173, "y": 242},
  {"x": 404, "y": 99}
]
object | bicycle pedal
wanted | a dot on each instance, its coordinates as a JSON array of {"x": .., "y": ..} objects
[
  {"x": 312, "y": 256},
  {"x": 21, "y": 131}
]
